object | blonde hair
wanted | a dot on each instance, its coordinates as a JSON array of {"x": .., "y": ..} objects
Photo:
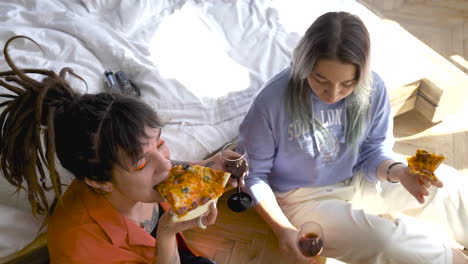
[{"x": 334, "y": 35}]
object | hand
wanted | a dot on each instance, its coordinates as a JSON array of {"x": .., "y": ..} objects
[
  {"x": 216, "y": 162},
  {"x": 167, "y": 226},
  {"x": 287, "y": 238},
  {"x": 416, "y": 184}
]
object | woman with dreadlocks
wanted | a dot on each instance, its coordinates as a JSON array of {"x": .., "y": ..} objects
[
  {"x": 319, "y": 138},
  {"x": 113, "y": 145}
]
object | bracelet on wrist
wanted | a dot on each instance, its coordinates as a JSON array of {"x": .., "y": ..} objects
[{"x": 388, "y": 171}]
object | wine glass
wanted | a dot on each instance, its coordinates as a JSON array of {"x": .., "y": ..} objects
[
  {"x": 310, "y": 239},
  {"x": 238, "y": 167}
]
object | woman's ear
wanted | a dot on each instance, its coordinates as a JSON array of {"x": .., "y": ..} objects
[{"x": 105, "y": 187}]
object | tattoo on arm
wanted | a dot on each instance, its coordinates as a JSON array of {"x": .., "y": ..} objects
[
  {"x": 178, "y": 162},
  {"x": 184, "y": 163},
  {"x": 210, "y": 164}
]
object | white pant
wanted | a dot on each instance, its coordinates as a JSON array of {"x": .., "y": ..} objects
[{"x": 355, "y": 233}]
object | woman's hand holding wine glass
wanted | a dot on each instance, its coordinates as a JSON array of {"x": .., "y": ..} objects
[
  {"x": 310, "y": 239},
  {"x": 288, "y": 243},
  {"x": 238, "y": 167}
]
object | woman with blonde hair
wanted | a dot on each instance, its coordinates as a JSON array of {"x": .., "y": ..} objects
[{"x": 319, "y": 140}]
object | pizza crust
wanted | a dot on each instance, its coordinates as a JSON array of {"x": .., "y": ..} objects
[{"x": 195, "y": 212}]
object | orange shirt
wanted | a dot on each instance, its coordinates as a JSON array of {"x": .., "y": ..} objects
[{"x": 86, "y": 228}]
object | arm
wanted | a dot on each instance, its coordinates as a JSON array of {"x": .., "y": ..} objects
[
  {"x": 376, "y": 149},
  {"x": 417, "y": 185},
  {"x": 286, "y": 232},
  {"x": 166, "y": 243},
  {"x": 257, "y": 136},
  {"x": 166, "y": 249}
]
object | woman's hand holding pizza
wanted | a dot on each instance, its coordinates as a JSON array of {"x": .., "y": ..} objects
[
  {"x": 168, "y": 227},
  {"x": 416, "y": 184}
]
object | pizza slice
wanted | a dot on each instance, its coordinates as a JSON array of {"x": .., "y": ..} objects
[
  {"x": 190, "y": 190},
  {"x": 425, "y": 163}
]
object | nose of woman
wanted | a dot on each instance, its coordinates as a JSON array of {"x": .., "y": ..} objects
[
  {"x": 333, "y": 94},
  {"x": 161, "y": 162}
]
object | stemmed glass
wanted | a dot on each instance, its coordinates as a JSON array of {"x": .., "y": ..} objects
[
  {"x": 238, "y": 167},
  {"x": 310, "y": 239}
]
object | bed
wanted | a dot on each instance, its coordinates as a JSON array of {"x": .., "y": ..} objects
[{"x": 199, "y": 63}]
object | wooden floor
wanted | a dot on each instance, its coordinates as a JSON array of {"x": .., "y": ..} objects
[
  {"x": 239, "y": 238},
  {"x": 442, "y": 25}
]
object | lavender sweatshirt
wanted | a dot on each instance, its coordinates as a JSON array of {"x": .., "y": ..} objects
[{"x": 283, "y": 156}]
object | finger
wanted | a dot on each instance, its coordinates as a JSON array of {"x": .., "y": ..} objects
[
  {"x": 209, "y": 217},
  {"x": 421, "y": 199},
  {"x": 300, "y": 257},
  {"x": 424, "y": 191},
  {"x": 308, "y": 260},
  {"x": 241, "y": 182},
  {"x": 416, "y": 193},
  {"x": 438, "y": 184},
  {"x": 421, "y": 193},
  {"x": 233, "y": 182},
  {"x": 167, "y": 216},
  {"x": 427, "y": 182},
  {"x": 231, "y": 154}
]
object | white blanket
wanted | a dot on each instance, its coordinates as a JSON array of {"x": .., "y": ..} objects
[{"x": 198, "y": 63}]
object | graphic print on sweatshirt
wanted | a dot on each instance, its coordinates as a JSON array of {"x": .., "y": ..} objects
[{"x": 332, "y": 117}]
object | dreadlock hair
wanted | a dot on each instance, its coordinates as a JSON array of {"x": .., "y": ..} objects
[{"x": 87, "y": 132}]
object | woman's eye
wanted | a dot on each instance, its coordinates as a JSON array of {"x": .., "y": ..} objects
[
  {"x": 348, "y": 84},
  {"x": 141, "y": 166},
  {"x": 321, "y": 80}
]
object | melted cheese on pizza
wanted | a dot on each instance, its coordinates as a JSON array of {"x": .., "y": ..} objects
[
  {"x": 191, "y": 186},
  {"x": 425, "y": 163}
]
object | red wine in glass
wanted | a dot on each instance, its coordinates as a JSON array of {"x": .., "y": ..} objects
[
  {"x": 310, "y": 239},
  {"x": 310, "y": 244},
  {"x": 238, "y": 167}
]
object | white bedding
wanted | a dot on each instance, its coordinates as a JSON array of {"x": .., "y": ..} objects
[{"x": 198, "y": 63}]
